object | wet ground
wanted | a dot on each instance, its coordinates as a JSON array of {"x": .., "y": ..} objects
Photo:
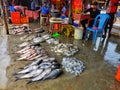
[
  {"x": 4, "y": 60},
  {"x": 101, "y": 62}
]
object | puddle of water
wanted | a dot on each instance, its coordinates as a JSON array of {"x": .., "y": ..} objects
[
  {"x": 4, "y": 61},
  {"x": 111, "y": 55}
]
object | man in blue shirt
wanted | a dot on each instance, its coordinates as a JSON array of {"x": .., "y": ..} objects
[
  {"x": 63, "y": 11},
  {"x": 45, "y": 11}
]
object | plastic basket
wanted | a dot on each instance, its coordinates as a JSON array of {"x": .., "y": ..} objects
[
  {"x": 24, "y": 20},
  {"x": 15, "y": 17},
  {"x": 12, "y": 9}
]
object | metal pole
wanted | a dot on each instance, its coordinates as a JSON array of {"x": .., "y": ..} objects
[{"x": 4, "y": 16}]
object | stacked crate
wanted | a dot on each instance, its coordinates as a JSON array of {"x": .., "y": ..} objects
[{"x": 16, "y": 18}]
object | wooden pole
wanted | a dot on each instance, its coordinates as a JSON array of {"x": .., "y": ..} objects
[
  {"x": 70, "y": 9},
  {"x": 4, "y": 17}
]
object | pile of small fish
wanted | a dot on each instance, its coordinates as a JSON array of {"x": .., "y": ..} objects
[
  {"x": 32, "y": 52},
  {"x": 65, "y": 49},
  {"x": 41, "y": 69},
  {"x": 73, "y": 65},
  {"x": 21, "y": 29}
]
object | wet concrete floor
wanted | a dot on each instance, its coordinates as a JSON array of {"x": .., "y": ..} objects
[
  {"x": 4, "y": 60},
  {"x": 101, "y": 62}
]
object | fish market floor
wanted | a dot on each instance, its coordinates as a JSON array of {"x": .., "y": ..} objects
[{"x": 100, "y": 60}]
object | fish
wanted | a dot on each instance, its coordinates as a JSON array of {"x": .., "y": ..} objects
[
  {"x": 34, "y": 54},
  {"x": 35, "y": 57},
  {"x": 41, "y": 76},
  {"x": 27, "y": 50},
  {"x": 24, "y": 49},
  {"x": 45, "y": 65},
  {"x": 53, "y": 74},
  {"x": 23, "y": 44},
  {"x": 24, "y": 71},
  {"x": 46, "y": 36},
  {"x": 37, "y": 62},
  {"x": 34, "y": 73},
  {"x": 28, "y": 53},
  {"x": 49, "y": 59},
  {"x": 27, "y": 57}
]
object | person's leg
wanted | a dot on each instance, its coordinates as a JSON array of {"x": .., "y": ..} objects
[
  {"x": 83, "y": 23},
  {"x": 91, "y": 23},
  {"x": 1, "y": 21},
  {"x": 111, "y": 23},
  {"x": 47, "y": 19}
]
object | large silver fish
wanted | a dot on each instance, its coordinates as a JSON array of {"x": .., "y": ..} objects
[
  {"x": 27, "y": 70},
  {"x": 33, "y": 73},
  {"x": 45, "y": 65},
  {"x": 41, "y": 76},
  {"x": 49, "y": 59},
  {"x": 53, "y": 74},
  {"x": 37, "y": 62}
]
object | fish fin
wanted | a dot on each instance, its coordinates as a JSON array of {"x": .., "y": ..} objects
[
  {"x": 29, "y": 82},
  {"x": 17, "y": 78}
]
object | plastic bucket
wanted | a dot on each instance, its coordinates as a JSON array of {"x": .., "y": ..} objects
[{"x": 78, "y": 34}]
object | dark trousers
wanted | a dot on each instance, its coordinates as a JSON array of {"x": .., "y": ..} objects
[
  {"x": 109, "y": 24},
  {"x": 85, "y": 21}
]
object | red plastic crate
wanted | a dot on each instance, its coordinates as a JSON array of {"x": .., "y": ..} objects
[{"x": 15, "y": 17}]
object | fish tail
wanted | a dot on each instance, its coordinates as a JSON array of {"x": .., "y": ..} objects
[
  {"x": 15, "y": 74},
  {"x": 17, "y": 78},
  {"x": 29, "y": 82}
]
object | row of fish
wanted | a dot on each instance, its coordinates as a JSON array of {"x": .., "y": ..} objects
[
  {"x": 41, "y": 69},
  {"x": 21, "y": 29},
  {"x": 73, "y": 65},
  {"x": 65, "y": 49},
  {"x": 31, "y": 52}
]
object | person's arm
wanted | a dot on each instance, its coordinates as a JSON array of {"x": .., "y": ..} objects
[
  {"x": 88, "y": 10},
  {"x": 107, "y": 2},
  {"x": 39, "y": 9}
]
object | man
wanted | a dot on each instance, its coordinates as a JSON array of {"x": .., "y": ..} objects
[
  {"x": 63, "y": 11},
  {"x": 45, "y": 12},
  {"x": 111, "y": 10},
  {"x": 94, "y": 11}
]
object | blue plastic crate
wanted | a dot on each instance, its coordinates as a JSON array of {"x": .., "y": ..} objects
[{"x": 12, "y": 9}]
